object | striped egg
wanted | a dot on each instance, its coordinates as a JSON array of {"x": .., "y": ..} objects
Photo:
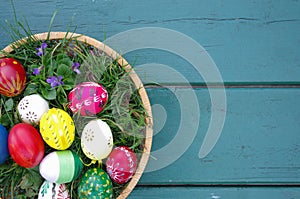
[
  {"x": 57, "y": 129},
  {"x": 12, "y": 77},
  {"x": 61, "y": 166}
]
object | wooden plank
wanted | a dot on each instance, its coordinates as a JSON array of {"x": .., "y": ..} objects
[
  {"x": 215, "y": 193},
  {"x": 259, "y": 143},
  {"x": 249, "y": 41}
]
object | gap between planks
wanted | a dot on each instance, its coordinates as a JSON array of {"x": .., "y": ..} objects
[
  {"x": 230, "y": 185},
  {"x": 243, "y": 85}
]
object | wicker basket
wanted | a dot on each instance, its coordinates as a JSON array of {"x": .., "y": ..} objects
[{"x": 138, "y": 84}]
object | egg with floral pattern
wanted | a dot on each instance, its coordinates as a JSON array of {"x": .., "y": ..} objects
[
  {"x": 31, "y": 108},
  {"x": 121, "y": 164},
  {"x": 12, "y": 77},
  {"x": 95, "y": 183},
  {"x": 96, "y": 140},
  {"x": 51, "y": 190},
  {"x": 89, "y": 98}
]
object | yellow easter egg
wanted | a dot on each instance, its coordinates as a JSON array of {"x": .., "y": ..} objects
[{"x": 57, "y": 129}]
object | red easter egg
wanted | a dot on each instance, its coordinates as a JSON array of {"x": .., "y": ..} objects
[
  {"x": 12, "y": 77},
  {"x": 121, "y": 164},
  {"x": 25, "y": 145},
  {"x": 89, "y": 98}
]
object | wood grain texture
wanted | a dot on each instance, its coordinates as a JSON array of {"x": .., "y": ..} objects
[
  {"x": 259, "y": 143},
  {"x": 250, "y": 41},
  {"x": 215, "y": 193}
]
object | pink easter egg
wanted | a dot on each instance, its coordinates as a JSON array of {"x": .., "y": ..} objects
[
  {"x": 89, "y": 98},
  {"x": 121, "y": 164}
]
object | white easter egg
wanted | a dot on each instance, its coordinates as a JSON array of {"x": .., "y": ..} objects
[
  {"x": 61, "y": 166},
  {"x": 31, "y": 108},
  {"x": 51, "y": 190},
  {"x": 96, "y": 140}
]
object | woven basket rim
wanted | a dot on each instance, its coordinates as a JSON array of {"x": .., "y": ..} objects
[{"x": 134, "y": 77}]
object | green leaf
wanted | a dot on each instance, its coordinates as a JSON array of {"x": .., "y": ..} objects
[
  {"x": 51, "y": 68},
  {"x": 31, "y": 182},
  {"x": 47, "y": 59},
  {"x": 31, "y": 89},
  {"x": 62, "y": 99},
  {"x": 64, "y": 70},
  {"x": 48, "y": 94},
  {"x": 60, "y": 57},
  {"x": 9, "y": 104},
  {"x": 67, "y": 61},
  {"x": 69, "y": 84},
  {"x": 5, "y": 121},
  {"x": 68, "y": 87},
  {"x": 33, "y": 66}
]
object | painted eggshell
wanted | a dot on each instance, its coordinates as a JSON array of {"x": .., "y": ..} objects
[
  {"x": 25, "y": 145},
  {"x": 89, "y": 98},
  {"x": 121, "y": 164},
  {"x": 95, "y": 184},
  {"x": 61, "y": 166},
  {"x": 12, "y": 77},
  {"x": 50, "y": 190},
  {"x": 57, "y": 129},
  {"x": 96, "y": 140},
  {"x": 3, "y": 144},
  {"x": 31, "y": 108}
]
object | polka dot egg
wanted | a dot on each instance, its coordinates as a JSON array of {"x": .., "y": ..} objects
[{"x": 95, "y": 184}]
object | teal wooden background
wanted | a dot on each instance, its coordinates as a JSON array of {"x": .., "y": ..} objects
[{"x": 256, "y": 47}]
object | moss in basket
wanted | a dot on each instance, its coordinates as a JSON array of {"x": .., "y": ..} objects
[{"x": 53, "y": 68}]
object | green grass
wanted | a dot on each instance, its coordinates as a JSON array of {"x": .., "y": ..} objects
[{"x": 124, "y": 111}]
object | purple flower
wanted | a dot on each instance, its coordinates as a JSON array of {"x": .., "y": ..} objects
[
  {"x": 44, "y": 45},
  {"x": 55, "y": 81},
  {"x": 37, "y": 71},
  {"x": 75, "y": 67},
  {"x": 40, "y": 50}
]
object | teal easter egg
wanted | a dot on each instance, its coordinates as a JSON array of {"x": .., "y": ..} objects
[
  {"x": 61, "y": 166},
  {"x": 95, "y": 184}
]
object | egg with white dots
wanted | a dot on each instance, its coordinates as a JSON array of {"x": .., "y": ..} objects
[{"x": 95, "y": 183}]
